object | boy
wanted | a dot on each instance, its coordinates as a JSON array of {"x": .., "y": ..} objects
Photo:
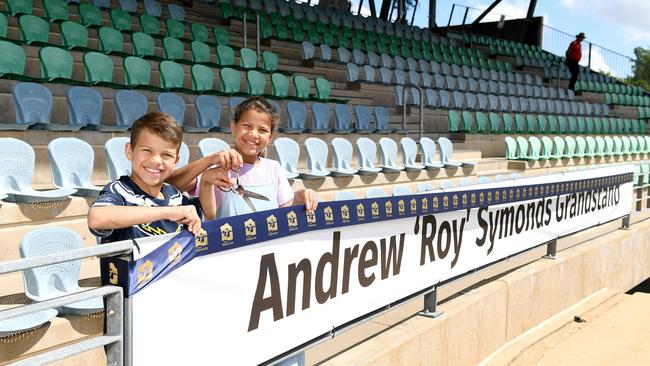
[{"x": 141, "y": 204}]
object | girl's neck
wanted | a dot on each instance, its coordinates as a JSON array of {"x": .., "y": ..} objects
[{"x": 252, "y": 160}]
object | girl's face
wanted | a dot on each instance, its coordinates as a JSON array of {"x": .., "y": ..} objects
[{"x": 252, "y": 133}]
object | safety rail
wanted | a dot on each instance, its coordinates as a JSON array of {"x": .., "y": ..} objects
[{"x": 421, "y": 106}]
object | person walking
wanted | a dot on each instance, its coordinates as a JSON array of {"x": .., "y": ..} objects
[{"x": 573, "y": 56}]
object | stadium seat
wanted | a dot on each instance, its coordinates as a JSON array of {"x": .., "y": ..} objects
[
  {"x": 104, "y": 4},
  {"x": 48, "y": 282},
  {"x": 173, "y": 105},
  {"x": 375, "y": 192},
  {"x": 301, "y": 87},
  {"x": 199, "y": 32},
  {"x": 202, "y": 78},
  {"x": 98, "y": 68},
  {"x": 345, "y": 196},
  {"x": 55, "y": 10},
  {"x": 280, "y": 85},
  {"x": 211, "y": 145},
  {"x": 352, "y": 72},
  {"x": 297, "y": 115},
  {"x": 85, "y": 107},
  {"x": 90, "y": 15},
  {"x": 256, "y": 82},
  {"x": 208, "y": 114},
  {"x": 200, "y": 52},
  {"x": 73, "y": 35},
  {"x": 71, "y": 164},
  {"x": 17, "y": 160},
  {"x": 120, "y": 20},
  {"x": 26, "y": 322},
  {"x": 17, "y": 7},
  {"x": 320, "y": 118},
  {"x": 143, "y": 44},
  {"x": 423, "y": 187},
  {"x": 129, "y": 6},
  {"x": 388, "y": 155},
  {"x": 381, "y": 120},
  {"x": 56, "y": 64},
  {"x": 232, "y": 103},
  {"x": 137, "y": 71},
  {"x": 342, "y": 158},
  {"x": 230, "y": 80},
  {"x": 409, "y": 154},
  {"x": 367, "y": 153},
  {"x": 176, "y": 12},
  {"x": 116, "y": 161},
  {"x": 308, "y": 50},
  {"x": 325, "y": 52},
  {"x": 369, "y": 73},
  {"x": 247, "y": 58},
  {"x": 175, "y": 28},
  {"x": 173, "y": 49},
  {"x": 110, "y": 40},
  {"x": 221, "y": 36},
  {"x": 343, "y": 119},
  {"x": 511, "y": 148},
  {"x": 171, "y": 75},
  {"x": 129, "y": 106},
  {"x": 149, "y": 24},
  {"x": 362, "y": 114},
  {"x": 269, "y": 61},
  {"x": 343, "y": 55},
  {"x": 316, "y": 161},
  {"x": 446, "y": 150},
  {"x": 33, "y": 30},
  {"x": 428, "y": 148},
  {"x": 322, "y": 87},
  {"x": 287, "y": 153},
  {"x": 33, "y": 107}
]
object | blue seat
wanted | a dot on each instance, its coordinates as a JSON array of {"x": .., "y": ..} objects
[
  {"x": 116, "y": 161},
  {"x": 176, "y": 12},
  {"x": 48, "y": 282},
  {"x": 466, "y": 182},
  {"x": 85, "y": 107},
  {"x": 26, "y": 322},
  {"x": 446, "y": 150},
  {"x": 33, "y": 106},
  {"x": 307, "y": 50},
  {"x": 152, "y": 7},
  {"x": 173, "y": 105},
  {"x": 208, "y": 114},
  {"x": 359, "y": 57},
  {"x": 232, "y": 103},
  {"x": 325, "y": 52},
  {"x": 424, "y": 187},
  {"x": 211, "y": 145},
  {"x": 367, "y": 153},
  {"x": 374, "y": 192},
  {"x": 129, "y": 106},
  {"x": 401, "y": 191},
  {"x": 386, "y": 75},
  {"x": 183, "y": 155},
  {"x": 287, "y": 152},
  {"x": 17, "y": 160},
  {"x": 317, "y": 154},
  {"x": 368, "y": 73},
  {"x": 381, "y": 120},
  {"x": 130, "y": 6},
  {"x": 409, "y": 153},
  {"x": 343, "y": 55},
  {"x": 500, "y": 178},
  {"x": 342, "y": 158},
  {"x": 484, "y": 180},
  {"x": 344, "y": 196},
  {"x": 428, "y": 154},
  {"x": 320, "y": 118},
  {"x": 297, "y": 114},
  {"x": 388, "y": 155},
  {"x": 104, "y": 4},
  {"x": 445, "y": 184},
  {"x": 343, "y": 119},
  {"x": 362, "y": 124},
  {"x": 71, "y": 163},
  {"x": 352, "y": 72}
]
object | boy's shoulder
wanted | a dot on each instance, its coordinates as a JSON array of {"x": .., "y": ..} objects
[{"x": 132, "y": 195}]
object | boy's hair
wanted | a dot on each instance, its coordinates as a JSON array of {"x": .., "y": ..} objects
[
  {"x": 259, "y": 104},
  {"x": 160, "y": 124}
]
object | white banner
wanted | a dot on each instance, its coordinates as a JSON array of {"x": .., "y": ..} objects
[{"x": 247, "y": 305}]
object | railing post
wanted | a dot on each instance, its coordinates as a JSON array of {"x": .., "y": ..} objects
[
  {"x": 421, "y": 129},
  {"x": 551, "y": 249},
  {"x": 451, "y": 14},
  {"x": 589, "y": 60},
  {"x": 404, "y": 106},
  {"x": 244, "y": 26},
  {"x": 114, "y": 327},
  {"x": 431, "y": 304},
  {"x": 257, "y": 38},
  {"x": 625, "y": 222}
]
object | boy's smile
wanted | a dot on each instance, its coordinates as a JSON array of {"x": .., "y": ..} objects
[{"x": 152, "y": 161}]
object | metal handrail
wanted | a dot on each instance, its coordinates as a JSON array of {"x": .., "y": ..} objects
[
  {"x": 257, "y": 38},
  {"x": 421, "y": 106}
]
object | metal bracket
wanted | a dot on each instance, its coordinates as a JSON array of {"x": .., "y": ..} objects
[
  {"x": 551, "y": 249},
  {"x": 430, "y": 304},
  {"x": 625, "y": 222}
]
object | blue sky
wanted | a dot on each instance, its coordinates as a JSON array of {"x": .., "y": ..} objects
[{"x": 617, "y": 25}]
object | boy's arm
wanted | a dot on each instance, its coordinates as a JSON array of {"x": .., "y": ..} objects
[
  {"x": 185, "y": 178},
  {"x": 116, "y": 217}
]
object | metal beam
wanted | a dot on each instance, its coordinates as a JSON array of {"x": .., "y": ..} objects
[
  {"x": 373, "y": 11},
  {"x": 531, "y": 9},
  {"x": 432, "y": 14},
  {"x": 415, "y": 9},
  {"x": 360, "y": 4},
  {"x": 385, "y": 9},
  {"x": 486, "y": 12}
]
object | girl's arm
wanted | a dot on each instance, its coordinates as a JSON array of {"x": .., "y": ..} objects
[
  {"x": 304, "y": 196},
  {"x": 185, "y": 178},
  {"x": 206, "y": 191}
]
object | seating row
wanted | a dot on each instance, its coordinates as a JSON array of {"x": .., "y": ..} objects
[
  {"x": 568, "y": 147},
  {"x": 627, "y": 99},
  {"x": 596, "y": 87}
]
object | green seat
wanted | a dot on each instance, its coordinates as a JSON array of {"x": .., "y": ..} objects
[
  {"x": 120, "y": 19},
  {"x": 547, "y": 148},
  {"x": 520, "y": 123},
  {"x": 202, "y": 78},
  {"x": 563, "y": 125},
  {"x": 149, "y": 24},
  {"x": 609, "y": 146},
  {"x": 531, "y": 120},
  {"x": 647, "y": 143},
  {"x": 280, "y": 84},
  {"x": 269, "y": 61},
  {"x": 570, "y": 147},
  {"x": 535, "y": 148},
  {"x": 467, "y": 121},
  {"x": 171, "y": 75},
  {"x": 33, "y": 29},
  {"x": 256, "y": 82},
  {"x": 453, "y": 121},
  {"x": 226, "y": 10},
  {"x": 598, "y": 125},
  {"x": 591, "y": 146},
  {"x": 266, "y": 30},
  {"x": 582, "y": 125},
  {"x": 281, "y": 32},
  {"x": 522, "y": 148},
  {"x": 581, "y": 147},
  {"x": 297, "y": 34},
  {"x": 641, "y": 144},
  {"x": 600, "y": 146},
  {"x": 542, "y": 123},
  {"x": 173, "y": 48},
  {"x": 175, "y": 28},
  {"x": 495, "y": 121},
  {"x": 313, "y": 37},
  {"x": 73, "y": 35},
  {"x": 200, "y": 52},
  {"x": 322, "y": 87},
  {"x": 199, "y": 32},
  {"x": 56, "y": 63},
  {"x": 301, "y": 87},
  {"x": 12, "y": 61},
  {"x": 589, "y": 125},
  {"x": 110, "y": 40},
  {"x": 618, "y": 145},
  {"x": 627, "y": 145},
  {"x": 558, "y": 148},
  {"x": 98, "y": 68},
  {"x": 634, "y": 145},
  {"x": 16, "y": 7},
  {"x": 220, "y": 35},
  {"x": 481, "y": 122},
  {"x": 137, "y": 71},
  {"x": 511, "y": 148},
  {"x": 3, "y": 25},
  {"x": 552, "y": 124},
  {"x": 55, "y": 10},
  {"x": 230, "y": 80},
  {"x": 508, "y": 126},
  {"x": 90, "y": 15},
  {"x": 143, "y": 44},
  {"x": 247, "y": 58},
  {"x": 225, "y": 55}
]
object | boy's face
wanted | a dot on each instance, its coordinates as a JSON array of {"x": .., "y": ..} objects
[
  {"x": 152, "y": 160},
  {"x": 252, "y": 133}
]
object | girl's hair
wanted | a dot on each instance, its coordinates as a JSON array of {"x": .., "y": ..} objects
[{"x": 259, "y": 104}]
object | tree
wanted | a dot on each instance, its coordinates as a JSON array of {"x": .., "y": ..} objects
[{"x": 641, "y": 69}]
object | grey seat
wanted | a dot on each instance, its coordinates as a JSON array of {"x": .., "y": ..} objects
[
  {"x": 381, "y": 120},
  {"x": 85, "y": 107},
  {"x": 208, "y": 114},
  {"x": 320, "y": 118},
  {"x": 297, "y": 116},
  {"x": 129, "y": 106},
  {"x": 343, "y": 119},
  {"x": 362, "y": 114},
  {"x": 71, "y": 164},
  {"x": 173, "y": 105}
]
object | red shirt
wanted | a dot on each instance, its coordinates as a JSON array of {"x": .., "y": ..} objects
[{"x": 574, "y": 52}]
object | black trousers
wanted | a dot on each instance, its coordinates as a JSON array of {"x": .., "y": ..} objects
[{"x": 574, "y": 69}]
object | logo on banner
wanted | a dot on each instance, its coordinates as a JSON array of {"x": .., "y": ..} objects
[
  {"x": 201, "y": 241},
  {"x": 174, "y": 252},
  {"x": 311, "y": 219},
  {"x": 435, "y": 202},
  {"x": 518, "y": 193},
  {"x": 455, "y": 200},
  {"x": 145, "y": 272},
  {"x": 345, "y": 213},
  {"x": 112, "y": 273},
  {"x": 481, "y": 197},
  {"x": 292, "y": 220},
  {"x": 329, "y": 215},
  {"x": 374, "y": 210},
  {"x": 272, "y": 225},
  {"x": 401, "y": 207},
  {"x": 251, "y": 230},
  {"x": 425, "y": 204},
  {"x": 445, "y": 201},
  {"x": 389, "y": 208},
  {"x": 464, "y": 199},
  {"x": 496, "y": 195},
  {"x": 511, "y": 194},
  {"x": 473, "y": 198},
  {"x": 489, "y": 197},
  {"x": 226, "y": 234},
  {"x": 361, "y": 212},
  {"x": 414, "y": 206}
]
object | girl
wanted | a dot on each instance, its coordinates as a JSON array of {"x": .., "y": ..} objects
[{"x": 253, "y": 123}]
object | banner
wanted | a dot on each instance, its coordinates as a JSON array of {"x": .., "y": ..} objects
[{"x": 255, "y": 286}]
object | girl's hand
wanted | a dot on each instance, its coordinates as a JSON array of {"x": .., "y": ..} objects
[
  {"x": 308, "y": 197},
  {"x": 229, "y": 159},
  {"x": 217, "y": 176}
]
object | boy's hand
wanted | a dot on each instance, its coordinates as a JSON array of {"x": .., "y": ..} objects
[
  {"x": 186, "y": 215},
  {"x": 308, "y": 197},
  {"x": 229, "y": 159},
  {"x": 218, "y": 177}
]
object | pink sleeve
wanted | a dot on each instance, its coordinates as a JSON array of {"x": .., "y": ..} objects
[
  {"x": 194, "y": 192},
  {"x": 285, "y": 193}
]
